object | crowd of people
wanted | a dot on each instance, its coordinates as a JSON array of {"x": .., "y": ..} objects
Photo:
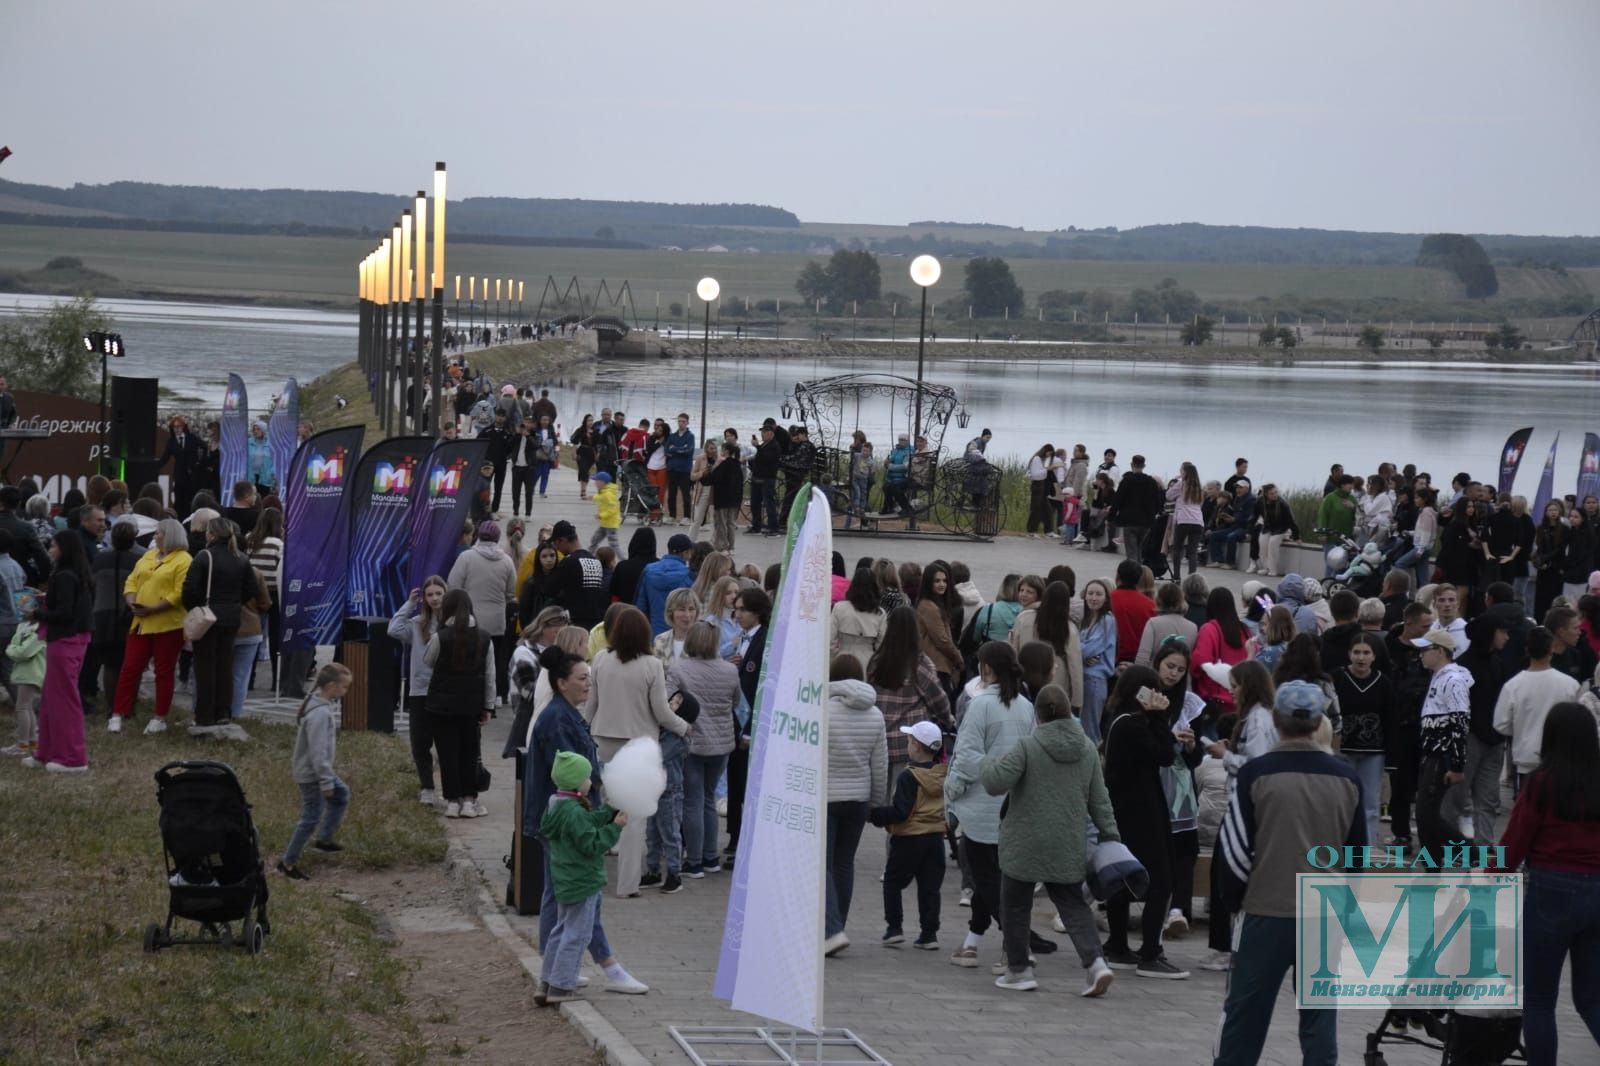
[{"x": 1015, "y": 731}]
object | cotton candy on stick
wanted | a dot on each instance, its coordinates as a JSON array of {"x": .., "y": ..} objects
[{"x": 632, "y": 782}]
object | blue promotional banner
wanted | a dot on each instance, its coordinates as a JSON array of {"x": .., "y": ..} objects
[
  {"x": 442, "y": 506},
  {"x": 1588, "y": 469},
  {"x": 234, "y": 425},
  {"x": 316, "y": 503},
  {"x": 1511, "y": 458},
  {"x": 283, "y": 430},
  {"x": 387, "y": 481},
  {"x": 1547, "y": 480}
]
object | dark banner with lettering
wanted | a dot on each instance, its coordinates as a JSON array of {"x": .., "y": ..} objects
[
  {"x": 283, "y": 430},
  {"x": 234, "y": 425},
  {"x": 1511, "y": 457},
  {"x": 1588, "y": 469},
  {"x": 387, "y": 482},
  {"x": 316, "y": 503},
  {"x": 443, "y": 505},
  {"x": 1547, "y": 480}
]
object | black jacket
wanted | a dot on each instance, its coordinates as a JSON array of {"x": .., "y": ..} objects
[
  {"x": 458, "y": 690},
  {"x": 26, "y": 549},
  {"x": 750, "y": 671},
  {"x": 68, "y": 606},
  {"x": 727, "y": 484},
  {"x": 1488, "y": 678},
  {"x": 1137, "y": 501},
  {"x": 232, "y": 583},
  {"x": 764, "y": 463},
  {"x": 579, "y": 585},
  {"x": 499, "y": 438}
]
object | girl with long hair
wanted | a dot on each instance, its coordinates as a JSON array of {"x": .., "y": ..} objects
[
  {"x": 1223, "y": 639},
  {"x": 1187, "y": 718},
  {"x": 857, "y": 621},
  {"x": 67, "y": 614},
  {"x": 713, "y": 569},
  {"x": 1098, "y": 648},
  {"x": 907, "y": 685},
  {"x": 936, "y": 603},
  {"x": 583, "y": 445},
  {"x": 1549, "y": 556},
  {"x": 1050, "y": 622},
  {"x": 1302, "y": 661},
  {"x": 536, "y": 592},
  {"x": 996, "y": 719},
  {"x": 1187, "y": 497},
  {"x": 1277, "y": 630},
  {"x": 461, "y": 693},
  {"x": 1555, "y": 830},
  {"x": 889, "y": 590},
  {"x": 1041, "y": 511}
]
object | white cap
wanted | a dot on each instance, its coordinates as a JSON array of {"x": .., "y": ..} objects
[{"x": 925, "y": 733}]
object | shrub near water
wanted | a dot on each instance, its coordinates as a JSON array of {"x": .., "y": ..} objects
[{"x": 83, "y": 875}]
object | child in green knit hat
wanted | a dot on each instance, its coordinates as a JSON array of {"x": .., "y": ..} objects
[{"x": 577, "y": 836}]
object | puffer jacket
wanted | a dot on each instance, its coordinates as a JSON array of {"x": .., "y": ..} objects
[
  {"x": 608, "y": 507},
  {"x": 1292, "y": 594},
  {"x": 1055, "y": 788},
  {"x": 715, "y": 684},
  {"x": 858, "y": 754}
]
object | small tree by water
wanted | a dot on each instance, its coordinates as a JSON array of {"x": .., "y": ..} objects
[{"x": 43, "y": 351}]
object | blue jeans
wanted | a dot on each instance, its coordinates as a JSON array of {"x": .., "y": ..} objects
[
  {"x": 1223, "y": 545},
  {"x": 318, "y": 813},
  {"x": 573, "y": 931},
  {"x": 664, "y": 831},
  {"x": 702, "y": 776},
  {"x": 1416, "y": 560},
  {"x": 245, "y": 650},
  {"x": 1560, "y": 916},
  {"x": 1265, "y": 953},
  {"x": 846, "y": 820},
  {"x": 541, "y": 476},
  {"x": 1369, "y": 768},
  {"x": 1095, "y": 687},
  {"x": 859, "y": 488},
  {"x": 1069, "y": 532},
  {"x": 549, "y": 916}
]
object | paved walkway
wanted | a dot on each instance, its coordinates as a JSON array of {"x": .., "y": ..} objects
[{"x": 914, "y": 1007}]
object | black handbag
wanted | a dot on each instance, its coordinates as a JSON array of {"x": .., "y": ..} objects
[{"x": 482, "y": 778}]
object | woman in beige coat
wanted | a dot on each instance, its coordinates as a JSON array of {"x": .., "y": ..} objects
[
  {"x": 628, "y": 699},
  {"x": 1050, "y": 622},
  {"x": 858, "y": 619}
]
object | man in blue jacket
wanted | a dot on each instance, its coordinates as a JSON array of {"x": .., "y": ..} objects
[
  {"x": 661, "y": 578},
  {"x": 680, "y": 462},
  {"x": 896, "y": 474}
]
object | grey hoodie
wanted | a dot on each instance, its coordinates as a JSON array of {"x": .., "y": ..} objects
[
  {"x": 858, "y": 749},
  {"x": 1292, "y": 594},
  {"x": 314, "y": 743}
]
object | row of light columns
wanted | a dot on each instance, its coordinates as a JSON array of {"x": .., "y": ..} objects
[{"x": 396, "y": 278}]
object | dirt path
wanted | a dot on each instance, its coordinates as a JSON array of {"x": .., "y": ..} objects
[{"x": 472, "y": 1000}]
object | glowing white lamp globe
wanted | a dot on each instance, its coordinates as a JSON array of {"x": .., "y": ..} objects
[
  {"x": 708, "y": 289},
  {"x": 925, "y": 270}
]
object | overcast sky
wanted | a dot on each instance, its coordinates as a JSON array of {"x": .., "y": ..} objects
[{"x": 1398, "y": 115}]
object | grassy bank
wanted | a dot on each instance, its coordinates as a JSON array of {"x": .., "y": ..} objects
[
  {"x": 521, "y": 364},
  {"x": 85, "y": 875}
]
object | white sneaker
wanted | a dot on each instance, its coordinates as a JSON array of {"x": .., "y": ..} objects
[
  {"x": 1464, "y": 823},
  {"x": 1001, "y": 967},
  {"x": 452, "y": 809},
  {"x": 1253, "y": 568},
  {"x": 426, "y": 797},
  {"x": 835, "y": 944},
  {"x": 966, "y": 898},
  {"x": 30, "y": 762},
  {"x": 155, "y": 725},
  {"x": 1217, "y": 961},
  {"x": 58, "y": 768},
  {"x": 1058, "y": 925},
  {"x": 1017, "y": 982},
  {"x": 583, "y": 982},
  {"x": 114, "y": 724},
  {"x": 479, "y": 810},
  {"x": 625, "y": 984},
  {"x": 722, "y": 807},
  {"x": 1177, "y": 926},
  {"x": 1100, "y": 977}
]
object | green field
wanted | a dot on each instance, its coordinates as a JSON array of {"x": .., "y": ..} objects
[{"x": 322, "y": 270}]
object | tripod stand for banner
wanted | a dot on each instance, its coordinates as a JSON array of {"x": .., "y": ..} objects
[{"x": 716, "y": 1045}]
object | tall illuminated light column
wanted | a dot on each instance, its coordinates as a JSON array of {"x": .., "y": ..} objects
[
  {"x": 707, "y": 290},
  {"x": 438, "y": 300},
  {"x": 925, "y": 272}
]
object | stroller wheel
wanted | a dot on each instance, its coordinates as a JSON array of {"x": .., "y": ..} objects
[
  {"x": 152, "y": 938},
  {"x": 255, "y": 937}
]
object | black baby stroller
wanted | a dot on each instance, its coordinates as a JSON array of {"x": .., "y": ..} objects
[
  {"x": 639, "y": 497},
  {"x": 215, "y": 875},
  {"x": 1468, "y": 1037}
]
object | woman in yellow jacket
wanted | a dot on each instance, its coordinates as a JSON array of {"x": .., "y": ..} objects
[{"x": 155, "y": 592}]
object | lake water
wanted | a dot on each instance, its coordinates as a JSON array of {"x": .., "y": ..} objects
[{"x": 1292, "y": 421}]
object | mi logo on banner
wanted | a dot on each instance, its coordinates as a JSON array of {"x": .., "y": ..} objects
[
  {"x": 1421, "y": 939},
  {"x": 393, "y": 480},
  {"x": 325, "y": 471},
  {"x": 230, "y": 400},
  {"x": 446, "y": 481}
]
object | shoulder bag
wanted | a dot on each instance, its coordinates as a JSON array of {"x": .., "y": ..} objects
[{"x": 198, "y": 622}]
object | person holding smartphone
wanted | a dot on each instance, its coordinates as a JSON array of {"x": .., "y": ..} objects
[{"x": 1138, "y": 746}]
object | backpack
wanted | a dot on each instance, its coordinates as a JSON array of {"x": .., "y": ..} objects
[{"x": 969, "y": 642}]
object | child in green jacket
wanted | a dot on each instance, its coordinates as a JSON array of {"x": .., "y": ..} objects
[
  {"x": 26, "y": 652},
  {"x": 577, "y": 836}
]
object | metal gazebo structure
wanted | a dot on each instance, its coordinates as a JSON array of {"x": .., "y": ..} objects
[
  {"x": 1586, "y": 337},
  {"x": 953, "y": 497}
]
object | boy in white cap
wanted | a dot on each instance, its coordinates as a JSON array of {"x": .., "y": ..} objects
[{"x": 915, "y": 820}]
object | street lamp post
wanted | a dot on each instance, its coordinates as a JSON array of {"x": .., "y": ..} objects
[
  {"x": 438, "y": 299},
  {"x": 925, "y": 272},
  {"x": 419, "y": 358},
  {"x": 707, "y": 290}
]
